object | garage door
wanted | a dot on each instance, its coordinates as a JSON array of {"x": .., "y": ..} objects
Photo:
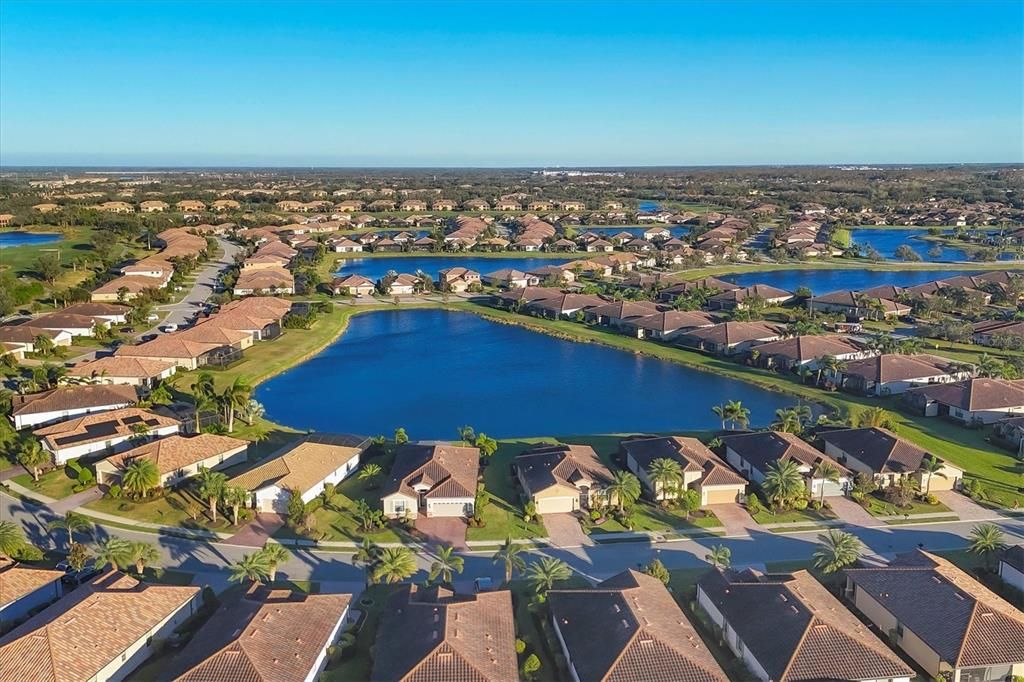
[
  {"x": 447, "y": 509},
  {"x": 720, "y": 495},
  {"x": 556, "y": 505}
]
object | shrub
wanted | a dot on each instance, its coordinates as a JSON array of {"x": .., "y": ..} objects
[
  {"x": 931, "y": 499},
  {"x": 114, "y": 491},
  {"x": 28, "y": 552},
  {"x": 531, "y": 665},
  {"x": 754, "y": 505},
  {"x": 520, "y": 646},
  {"x": 800, "y": 504},
  {"x": 595, "y": 514},
  {"x": 656, "y": 569}
]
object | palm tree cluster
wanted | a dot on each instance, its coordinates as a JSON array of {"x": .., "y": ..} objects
[
  {"x": 732, "y": 413},
  {"x": 792, "y": 419},
  {"x": 119, "y": 554},
  {"x": 260, "y": 566},
  {"x": 783, "y": 483},
  {"x": 389, "y": 565},
  {"x": 234, "y": 399}
]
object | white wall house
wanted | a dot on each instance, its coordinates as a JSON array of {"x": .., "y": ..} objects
[{"x": 24, "y": 590}]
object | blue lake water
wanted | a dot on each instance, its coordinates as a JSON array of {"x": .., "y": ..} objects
[
  {"x": 825, "y": 281},
  {"x": 648, "y": 206},
  {"x": 886, "y": 241},
  {"x": 432, "y": 371},
  {"x": 375, "y": 268},
  {"x": 9, "y": 239}
]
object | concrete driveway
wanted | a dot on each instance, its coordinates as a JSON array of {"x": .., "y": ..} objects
[
  {"x": 181, "y": 312},
  {"x": 443, "y": 531},
  {"x": 851, "y": 512},
  {"x": 258, "y": 531},
  {"x": 564, "y": 530},
  {"x": 964, "y": 507},
  {"x": 735, "y": 519}
]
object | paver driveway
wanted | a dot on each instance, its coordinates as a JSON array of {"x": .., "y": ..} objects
[
  {"x": 964, "y": 507},
  {"x": 735, "y": 518},
  {"x": 443, "y": 530},
  {"x": 258, "y": 531},
  {"x": 564, "y": 530}
]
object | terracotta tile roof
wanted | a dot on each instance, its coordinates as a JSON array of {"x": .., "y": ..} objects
[
  {"x": 101, "y": 426},
  {"x": 880, "y": 449},
  {"x": 629, "y": 628},
  {"x": 217, "y": 334},
  {"x": 73, "y": 398},
  {"x": 731, "y": 333},
  {"x": 25, "y": 333},
  {"x": 304, "y": 464},
  {"x": 975, "y": 394},
  {"x": 168, "y": 346},
  {"x": 447, "y": 470},
  {"x": 689, "y": 452},
  {"x": 763, "y": 291},
  {"x": 265, "y": 635},
  {"x": 133, "y": 283},
  {"x": 63, "y": 320},
  {"x": 672, "y": 320},
  {"x": 434, "y": 635},
  {"x": 176, "y": 451},
  {"x": 79, "y": 635},
  {"x": 962, "y": 621},
  {"x": 703, "y": 283},
  {"x": 765, "y": 447},
  {"x": 265, "y": 278},
  {"x": 114, "y": 366},
  {"x": 807, "y": 348},
  {"x": 546, "y": 466},
  {"x": 17, "y": 581},
  {"x": 894, "y": 367},
  {"x": 625, "y": 310}
]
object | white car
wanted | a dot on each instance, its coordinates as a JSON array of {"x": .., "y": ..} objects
[{"x": 170, "y": 328}]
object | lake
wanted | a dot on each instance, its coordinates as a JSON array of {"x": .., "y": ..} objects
[
  {"x": 11, "y": 239},
  {"x": 887, "y": 240},
  {"x": 432, "y": 371},
  {"x": 375, "y": 268},
  {"x": 825, "y": 281}
]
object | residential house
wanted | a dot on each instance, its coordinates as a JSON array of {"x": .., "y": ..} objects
[
  {"x": 1011, "y": 567},
  {"x": 154, "y": 206},
  {"x": 190, "y": 206},
  {"x": 112, "y": 369},
  {"x": 739, "y": 299},
  {"x": 432, "y": 479},
  {"x": 668, "y": 325},
  {"x": 177, "y": 457},
  {"x": 790, "y": 628},
  {"x": 507, "y": 205},
  {"x": 887, "y": 458},
  {"x": 619, "y": 314},
  {"x": 303, "y": 468},
  {"x": 24, "y": 589},
  {"x": 562, "y": 478},
  {"x": 458, "y": 279},
  {"x": 101, "y": 631},
  {"x": 999, "y": 333},
  {"x": 444, "y": 205},
  {"x": 671, "y": 293},
  {"x": 187, "y": 353},
  {"x": 553, "y": 273},
  {"x": 401, "y": 285},
  {"x": 510, "y": 278},
  {"x": 25, "y": 335},
  {"x": 65, "y": 402},
  {"x": 702, "y": 469},
  {"x": 857, "y": 305},
  {"x": 563, "y": 305},
  {"x": 893, "y": 374},
  {"x": 272, "y": 280},
  {"x": 125, "y": 288},
  {"x": 433, "y": 633},
  {"x": 729, "y": 338},
  {"x": 753, "y": 454},
  {"x": 222, "y": 205},
  {"x": 108, "y": 313},
  {"x": 943, "y": 619},
  {"x": 344, "y": 245},
  {"x": 974, "y": 401},
  {"x": 807, "y": 351},
  {"x": 629, "y": 628},
  {"x": 103, "y": 432},
  {"x": 6, "y": 219},
  {"x": 353, "y": 285}
]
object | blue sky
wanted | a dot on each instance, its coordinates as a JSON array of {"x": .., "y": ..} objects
[{"x": 496, "y": 84}]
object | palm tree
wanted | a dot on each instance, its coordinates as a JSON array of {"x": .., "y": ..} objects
[
  {"x": 201, "y": 403},
  {"x": 929, "y": 467},
  {"x": 274, "y": 555},
  {"x": 624, "y": 489},
  {"x": 838, "y": 549},
  {"x": 876, "y": 417},
  {"x": 251, "y": 411},
  {"x": 394, "y": 564},
  {"x": 116, "y": 552},
  {"x": 140, "y": 476},
  {"x": 787, "y": 420},
  {"x": 366, "y": 554},
  {"x": 509, "y": 554},
  {"x": 446, "y": 565},
  {"x": 723, "y": 413},
  {"x": 987, "y": 540},
  {"x": 143, "y": 554},
  {"x": 826, "y": 471},
  {"x": 12, "y": 539},
  {"x": 252, "y": 567},
  {"x": 234, "y": 396},
  {"x": 71, "y": 522},
  {"x": 32, "y": 456},
  {"x": 369, "y": 473},
  {"x": 720, "y": 556},
  {"x": 831, "y": 364},
  {"x": 665, "y": 476},
  {"x": 737, "y": 414},
  {"x": 234, "y": 496},
  {"x": 543, "y": 574},
  {"x": 783, "y": 482},
  {"x": 211, "y": 487}
]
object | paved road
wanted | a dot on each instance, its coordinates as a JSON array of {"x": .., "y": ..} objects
[{"x": 181, "y": 312}]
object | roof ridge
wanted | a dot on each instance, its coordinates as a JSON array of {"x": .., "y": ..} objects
[{"x": 799, "y": 645}]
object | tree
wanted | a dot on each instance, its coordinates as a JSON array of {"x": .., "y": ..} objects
[
  {"x": 689, "y": 500},
  {"x": 720, "y": 556},
  {"x": 783, "y": 483},
  {"x": 624, "y": 489},
  {"x": 370, "y": 473},
  {"x": 12, "y": 539},
  {"x": 71, "y": 523},
  {"x": 366, "y": 554},
  {"x": 78, "y": 556},
  {"x": 665, "y": 475},
  {"x": 143, "y": 554},
  {"x": 987, "y": 540},
  {"x": 200, "y": 404},
  {"x": 298, "y": 510},
  {"x": 467, "y": 434},
  {"x": 251, "y": 411},
  {"x": 656, "y": 569},
  {"x": 929, "y": 467},
  {"x": 140, "y": 476},
  {"x": 832, "y": 365},
  {"x": 487, "y": 445},
  {"x": 510, "y": 556},
  {"x": 211, "y": 487},
  {"x": 737, "y": 414},
  {"x": 401, "y": 437},
  {"x": 394, "y": 564},
  {"x": 791, "y": 419},
  {"x": 234, "y": 397},
  {"x": 48, "y": 267},
  {"x": 32, "y": 456},
  {"x": 827, "y": 472},
  {"x": 235, "y": 496},
  {"x": 543, "y": 574},
  {"x": 252, "y": 567},
  {"x": 273, "y": 555},
  {"x": 723, "y": 413},
  {"x": 446, "y": 565},
  {"x": 837, "y": 550},
  {"x": 876, "y": 417},
  {"x": 116, "y": 552}
]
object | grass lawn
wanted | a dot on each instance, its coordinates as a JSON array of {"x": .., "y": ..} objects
[
  {"x": 173, "y": 509},
  {"x": 356, "y": 665},
  {"x": 877, "y": 506},
  {"x": 807, "y": 516},
  {"x": 57, "y": 483},
  {"x": 651, "y": 517},
  {"x": 533, "y": 627},
  {"x": 503, "y": 517}
]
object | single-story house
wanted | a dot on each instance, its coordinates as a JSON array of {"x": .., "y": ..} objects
[
  {"x": 887, "y": 458},
  {"x": 401, "y": 285},
  {"x": 1011, "y": 567},
  {"x": 941, "y": 617},
  {"x": 618, "y": 314},
  {"x": 738, "y": 299},
  {"x": 302, "y": 468},
  {"x": 112, "y": 369},
  {"x": 186, "y": 353},
  {"x": 789, "y": 628},
  {"x": 563, "y": 305},
  {"x": 76, "y": 325},
  {"x": 510, "y": 278},
  {"x": 353, "y": 285},
  {"x": 103, "y": 432},
  {"x": 65, "y": 402},
  {"x": 702, "y": 469},
  {"x": 752, "y": 454},
  {"x": 729, "y": 338},
  {"x": 807, "y": 351},
  {"x": 668, "y": 325},
  {"x": 177, "y": 457},
  {"x": 854, "y": 304},
  {"x": 273, "y": 280},
  {"x": 124, "y": 288},
  {"x": 562, "y": 478},
  {"x": 432, "y": 479},
  {"x": 24, "y": 589},
  {"x": 975, "y": 401},
  {"x": 25, "y": 335},
  {"x": 671, "y": 293},
  {"x": 998, "y": 333},
  {"x": 893, "y": 374}
]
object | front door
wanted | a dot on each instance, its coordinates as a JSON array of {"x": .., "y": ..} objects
[{"x": 585, "y": 497}]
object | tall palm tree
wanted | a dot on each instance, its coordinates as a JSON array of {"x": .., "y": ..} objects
[
  {"x": 201, "y": 403},
  {"x": 140, "y": 476},
  {"x": 446, "y": 565},
  {"x": 787, "y": 420},
  {"x": 32, "y": 456},
  {"x": 930, "y": 466},
  {"x": 827, "y": 472},
  {"x": 837, "y": 550},
  {"x": 143, "y": 554},
  {"x": 624, "y": 489},
  {"x": 12, "y": 539},
  {"x": 723, "y": 413},
  {"x": 365, "y": 555},
  {"x": 211, "y": 487},
  {"x": 394, "y": 564},
  {"x": 274, "y": 555},
  {"x": 987, "y": 540},
  {"x": 234, "y": 497},
  {"x": 509, "y": 554},
  {"x": 666, "y": 475},
  {"x": 234, "y": 396},
  {"x": 738, "y": 414},
  {"x": 71, "y": 522},
  {"x": 543, "y": 574},
  {"x": 720, "y": 556},
  {"x": 783, "y": 482},
  {"x": 252, "y": 567},
  {"x": 116, "y": 552},
  {"x": 877, "y": 417},
  {"x": 832, "y": 365}
]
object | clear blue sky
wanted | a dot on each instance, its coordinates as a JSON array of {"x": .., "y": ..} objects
[{"x": 530, "y": 83}]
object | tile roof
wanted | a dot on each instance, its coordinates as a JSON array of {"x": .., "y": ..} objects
[
  {"x": 546, "y": 466},
  {"x": 304, "y": 464},
  {"x": 689, "y": 452},
  {"x": 625, "y": 310},
  {"x": 629, "y": 628},
  {"x": 115, "y": 366},
  {"x": 168, "y": 346},
  {"x": 17, "y": 581},
  {"x": 79, "y": 635},
  {"x": 266, "y": 635},
  {"x": 176, "y": 451},
  {"x": 265, "y": 278},
  {"x": 101, "y": 426},
  {"x": 811, "y": 637},
  {"x": 446, "y": 470},
  {"x": 809, "y": 347},
  {"x": 880, "y": 449},
  {"x": 73, "y": 398},
  {"x": 672, "y": 320},
  {"x": 962, "y": 621},
  {"x": 975, "y": 394},
  {"x": 762, "y": 448},
  {"x": 435, "y": 635},
  {"x": 731, "y": 333},
  {"x": 895, "y": 367}
]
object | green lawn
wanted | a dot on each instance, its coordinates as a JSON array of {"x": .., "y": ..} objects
[
  {"x": 807, "y": 516},
  {"x": 877, "y": 506},
  {"x": 356, "y": 665},
  {"x": 57, "y": 483},
  {"x": 503, "y": 517},
  {"x": 533, "y": 627},
  {"x": 178, "y": 508},
  {"x": 653, "y": 518}
]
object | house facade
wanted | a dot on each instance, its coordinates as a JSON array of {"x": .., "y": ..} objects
[{"x": 432, "y": 480}]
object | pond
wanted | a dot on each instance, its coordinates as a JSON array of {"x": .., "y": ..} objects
[
  {"x": 11, "y": 239},
  {"x": 375, "y": 268},
  {"x": 432, "y": 371},
  {"x": 824, "y": 281},
  {"x": 887, "y": 240}
]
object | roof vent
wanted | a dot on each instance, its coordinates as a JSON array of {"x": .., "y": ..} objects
[{"x": 647, "y": 640}]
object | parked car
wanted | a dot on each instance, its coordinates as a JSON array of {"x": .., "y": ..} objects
[
  {"x": 75, "y": 578},
  {"x": 170, "y": 328}
]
